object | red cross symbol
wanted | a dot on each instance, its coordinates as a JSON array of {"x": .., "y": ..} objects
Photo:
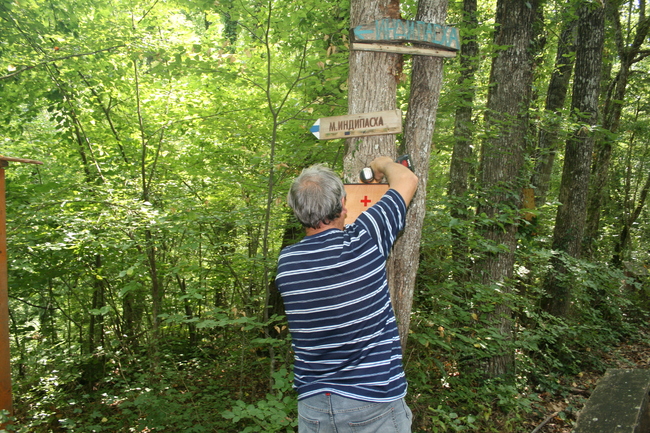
[{"x": 365, "y": 201}]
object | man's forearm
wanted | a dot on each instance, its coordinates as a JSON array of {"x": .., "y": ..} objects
[{"x": 399, "y": 177}]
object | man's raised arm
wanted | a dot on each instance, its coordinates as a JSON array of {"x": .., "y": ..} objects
[{"x": 399, "y": 177}]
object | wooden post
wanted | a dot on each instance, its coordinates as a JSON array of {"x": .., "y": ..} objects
[
  {"x": 5, "y": 367},
  {"x": 5, "y": 359}
]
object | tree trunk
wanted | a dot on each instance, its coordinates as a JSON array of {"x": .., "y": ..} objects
[
  {"x": 426, "y": 82},
  {"x": 191, "y": 326},
  {"x": 628, "y": 55},
  {"x": 156, "y": 289},
  {"x": 96, "y": 323},
  {"x": 569, "y": 224},
  {"x": 620, "y": 244},
  {"x": 47, "y": 314},
  {"x": 547, "y": 141},
  {"x": 462, "y": 159},
  {"x": 150, "y": 243},
  {"x": 372, "y": 86},
  {"x": 502, "y": 158},
  {"x": 132, "y": 311}
]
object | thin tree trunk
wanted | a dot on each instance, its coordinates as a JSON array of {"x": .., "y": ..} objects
[
  {"x": 191, "y": 327},
  {"x": 150, "y": 247},
  {"x": 502, "y": 159},
  {"x": 621, "y": 242},
  {"x": 156, "y": 290},
  {"x": 418, "y": 136},
  {"x": 628, "y": 55},
  {"x": 570, "y": 220},
  {"x": 547, "y": 143},
  {"x": 462, "y": 159},
  {"x": 96, "y": 323}
]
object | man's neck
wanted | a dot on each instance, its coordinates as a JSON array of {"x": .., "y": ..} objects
[{"x": 338, "y": 223}]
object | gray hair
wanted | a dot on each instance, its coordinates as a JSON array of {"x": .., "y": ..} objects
[{"x": 316, "y": 196}]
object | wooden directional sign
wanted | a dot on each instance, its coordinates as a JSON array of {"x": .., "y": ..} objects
[
  {"x": 360, "y": 196},
  {"x": 445, "y": 38},
  {"x": 358, "y": 125}
]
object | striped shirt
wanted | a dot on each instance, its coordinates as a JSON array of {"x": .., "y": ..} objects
[{"x": 341, "y": 320}]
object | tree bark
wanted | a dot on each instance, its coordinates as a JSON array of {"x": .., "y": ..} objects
[
  {"x": 628, "y": 54},
  {"x": 426, "y": 81},
  {"x": 372, "y": 86},
  {"x": 96, "y": 322},
  {"x": 570, "y": 220},
  {"x": 462, "y": 159},
  {"x": 502, "y": 159},
  {"x": 620, "y": 244},
  {"x": 547, "y": 140}
]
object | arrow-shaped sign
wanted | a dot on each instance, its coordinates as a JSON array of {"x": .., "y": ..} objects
[{"x": 358, "y": 125}]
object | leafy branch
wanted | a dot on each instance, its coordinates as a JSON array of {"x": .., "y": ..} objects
[{"x": 58, "y": 59}]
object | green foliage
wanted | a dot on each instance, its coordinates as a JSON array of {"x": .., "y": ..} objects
[
  {"x": 169, "y": 133},
  {"x": 452, "y": 339},
  {"x": 277, "y": 412},
  {"x": 162, "y": 144},
  {"x": 184, "y": 391}
]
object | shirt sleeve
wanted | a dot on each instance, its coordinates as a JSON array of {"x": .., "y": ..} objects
[{"x": 384, "y": 220}]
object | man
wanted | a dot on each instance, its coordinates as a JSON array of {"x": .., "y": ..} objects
[{"x": 348, "y": 359}]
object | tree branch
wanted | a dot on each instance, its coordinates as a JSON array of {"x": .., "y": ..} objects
[{"x": 58, "y": 59}]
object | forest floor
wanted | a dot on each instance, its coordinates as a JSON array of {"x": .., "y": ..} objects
[{"x": 562, "y": 411}]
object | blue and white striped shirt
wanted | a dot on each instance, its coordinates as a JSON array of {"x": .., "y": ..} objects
[{"x": 341, "y": 320}]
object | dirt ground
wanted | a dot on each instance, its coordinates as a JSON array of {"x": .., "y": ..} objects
[{"x": 562, "y": 412}]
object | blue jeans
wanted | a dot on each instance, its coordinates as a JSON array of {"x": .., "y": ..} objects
[{"x": 331, "y": 413}]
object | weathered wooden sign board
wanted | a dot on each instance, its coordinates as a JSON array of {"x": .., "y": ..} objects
[
  {"x": 446, "y": 40},
  {"x": 358, "y": 125},
  {"x": 360, "y": 196}
]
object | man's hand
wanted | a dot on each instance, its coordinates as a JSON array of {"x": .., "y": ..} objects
[{"x": 399, "y": 177}]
